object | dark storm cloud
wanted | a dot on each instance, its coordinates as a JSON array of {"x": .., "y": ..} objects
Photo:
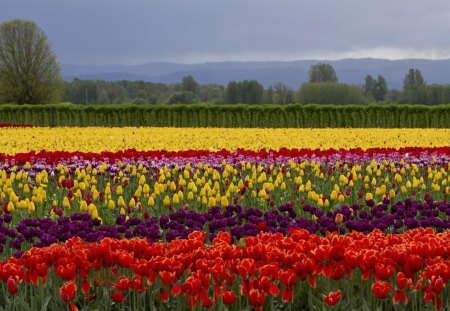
[{"x": 138, "y": 31}]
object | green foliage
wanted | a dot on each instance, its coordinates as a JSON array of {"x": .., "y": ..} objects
[
  {"x": 200, "y": 115},
  {"x": 233, "y": 93},
  {"x": 211, "y": 93},
  {"x": 189, "y": 84},
  {"x": 414, "y": 87},
  {"x": 413, "y": 79},
  {"x": 252, "y": 92},
  {"x": 377, "y": 89},
  {"x": 330, "y": 93},
  {"x": 92, "y": 92},
  {"x": 283, "y": 94},
  {"x": 88, "y": 92},
  {"x": 437, "y": 94},
  {"x": 28, "y": 69},
  {"x": 247, "y": 92},
  {"x": 183, "y": 97},
  {"x": 322, "y": 72},
  {"x": 268, "y": 96}
]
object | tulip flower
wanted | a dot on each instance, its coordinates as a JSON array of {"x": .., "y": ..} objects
[
  {"x": 332, "y": 298},
  {"x": 12, "y": 286}
]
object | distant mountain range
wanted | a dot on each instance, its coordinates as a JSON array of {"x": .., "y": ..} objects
[{"x": 292, "y": 73}]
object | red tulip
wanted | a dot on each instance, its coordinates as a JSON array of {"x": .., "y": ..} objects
[
  {"x": 399, "y": 296},
  {"x": 402, "y": 281},
  {"x": 122, "y": 283},
  {"x": 246, "y": 268},
  {"x": 383, "y": 272},
  {"x": 12, "y": 286},
  {"x": 274, "y": 290},
  {"x": 207, "y": 302},
  {"x": 256, "y": 298},
  {"x": 85, "y": 286},
  {"x": 229, "y": 297},
  {"x": 287, "y": 295},
  {"x": 414, "y": 262},
  {"x": 167, "y": 277},
  {"x": 117, "y": 296},
  {"x": 67, "y": 271},
  {"x": 176, "y": 290},
  {"x": 438, "y": 284},
  {"x": 261, "y": 226},
  {"x": 68, "y": 291},
  {"x": 163, "y": 295},
  {"x": 333, "y": 298},
  {"x": 381, "y": 289},
  {"x": 288, "y": 278}
]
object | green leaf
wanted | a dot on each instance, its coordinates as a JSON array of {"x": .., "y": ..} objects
[
  {"x": 23, "y": 306},
  {"x": 46, "y": 302}
]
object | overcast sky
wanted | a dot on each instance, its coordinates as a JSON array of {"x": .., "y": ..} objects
[{"x": 198, "y": 31}]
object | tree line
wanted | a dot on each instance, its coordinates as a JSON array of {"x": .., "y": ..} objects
[
  {"x": 323, "y": 87},
  {"x": 30, "y": 74}
]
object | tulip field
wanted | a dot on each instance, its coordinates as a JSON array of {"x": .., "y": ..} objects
[{"x": 224, "y": 219}]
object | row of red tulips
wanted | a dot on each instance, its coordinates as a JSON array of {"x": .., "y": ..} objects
[
  {"x": 410, "y": 269},
  {"x": 405, "y": 153}
]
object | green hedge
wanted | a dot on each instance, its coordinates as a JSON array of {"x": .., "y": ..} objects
[{"x": 296, "y": 115}]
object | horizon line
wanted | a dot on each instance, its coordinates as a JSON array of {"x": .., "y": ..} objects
[{"x": 256, "y": 61}]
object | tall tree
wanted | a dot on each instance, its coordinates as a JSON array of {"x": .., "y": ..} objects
[
  {"x": 268, "y": 96},
  {"x": 189, "y": 84},
  {"x": 369, "y": 85},
  {"x": 414, "y": 87},
  {"x": 283, "y": 93},
  {"x": 413, "y": 79},
  {"x": 251, "y": 91},
  {"x": 377, "y": 89},
  {"x": 322, "y": 72},
  {"x": 233, "y": 93},
  {"x": 381, "y": 89},
  {"x": 28, "y": 69}
]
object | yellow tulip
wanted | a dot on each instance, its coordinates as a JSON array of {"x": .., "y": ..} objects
[
  {"x": 10, "y": 207},
  {"x": 31, "y": 208},
  {"x": 175, "y": 199},
  {"x": 166, "y": 201},
  {"x": 391, "y": 194},
  {"x": 333, "y": 195},
  {"x": 111, "y": 205},
  {"x": 66, "y": 203},
  {"x": 94, "y": 214},
  {"x": 151, "y": 202},
  {"x": 83, "y": 206},
  {"x": 119, "y": 190},
  {"x": 224, "y": 201},
  {"x": 120, "y": 201}
]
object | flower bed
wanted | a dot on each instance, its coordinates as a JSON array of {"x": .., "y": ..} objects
[
  {"x": 239, "y": 222},
  {"x": 264, "y": 272},
  {"x": 97, "y": 139},
  {"x": 224, "y": 229},
  {"x": 106, "y": 185}
]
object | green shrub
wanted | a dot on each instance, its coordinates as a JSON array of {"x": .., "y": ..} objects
[{"x": 200, "y": 115}]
